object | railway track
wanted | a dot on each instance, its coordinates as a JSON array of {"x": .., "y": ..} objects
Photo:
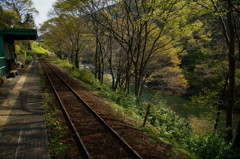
[{"x": 95, "y": 137}]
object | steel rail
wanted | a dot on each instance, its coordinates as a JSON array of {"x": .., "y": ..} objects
[
  {"x": 127, "y": 147},
  {"x": 87, "y": 154}
]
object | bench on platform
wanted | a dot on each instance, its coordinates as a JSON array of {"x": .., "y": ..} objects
[{"x": 13, "y": 73}]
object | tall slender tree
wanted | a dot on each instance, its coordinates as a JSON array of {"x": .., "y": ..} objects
[{"x": 225, "y": 12}]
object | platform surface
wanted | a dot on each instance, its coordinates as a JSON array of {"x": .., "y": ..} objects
[{"x": 22, "y": 127}]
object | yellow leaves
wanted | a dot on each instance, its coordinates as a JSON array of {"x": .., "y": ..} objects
[
  {"x": 197, "y": 24},
  {"x": 38, "y": 48},
  {"x": 184, "y": 81},
  {"x": 35, "y": 48},
  {"x": 17, "y": 49},
  {"x": 168, "y": 51},
  {"x": 206, "y": 36},
  {"x": 172, "y": 76}
]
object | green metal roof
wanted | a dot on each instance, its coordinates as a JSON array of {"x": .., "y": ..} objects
[{"x": 19, "y": 34}]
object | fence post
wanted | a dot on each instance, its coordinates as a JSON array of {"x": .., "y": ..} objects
[{"x": 147, "y": 112}]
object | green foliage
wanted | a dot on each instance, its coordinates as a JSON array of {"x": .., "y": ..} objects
[
  {"x": 126, "y": 101},
  {"x": 51, "y": 122},
  {"x": 86, "y": 76},
  {"x": 29, "y": 21},
  {"x": 59, "y": 148},
  {"x": 18, "y": 49},
  {"x": 178, "y": 23},
  {"x": 171, "y": 126},
  {"x": 28, "y": 59},
  {"x": 209, "y": 146},
  {"x": 67, "y": 36},
  {"x": 8, "y": 18},
  {"x": 238, "y": 76},
  {"x": 29, "y": 48},
  {"x": 56, "y": 147},
  {"x": 38, "y": 48},
  {"x": 208, "y": 98},
  {"x": 21, "y": 7},
  {"x": 194, "y": 58},
  {"x": 169, "y": 123}
]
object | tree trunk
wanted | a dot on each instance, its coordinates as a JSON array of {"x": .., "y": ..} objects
[
  {"x": 239, "y": 51},
  {"x": 127, "y": 84},
  {"x": 138, "y": 84},
  {"x": 220, "y": 105},
  {"x": 99, "y": 62},
  {"x": 117, "y": 81},
  {"x": 96, "y": 59},
  {"x": 101, "y": 65},
  {"x": 76, "y": 60},
  {"x": 110, "y": 62},
  {"x": 237, "y": 139},
  {"x": 128, "y": 72},
  {"x": 231, "y": 61},
  {"x": 71, "y": 59}
]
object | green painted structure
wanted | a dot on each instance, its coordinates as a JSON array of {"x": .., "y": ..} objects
[{"x": 7, "y": 49}]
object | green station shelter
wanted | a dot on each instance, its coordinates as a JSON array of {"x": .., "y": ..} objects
[{"x": 7, "y": 48}]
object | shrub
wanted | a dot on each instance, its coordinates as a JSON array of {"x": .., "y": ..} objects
[
  {"x": 209, "y": 146},
  {"x": 86, "y": 76},
  {"x": 172, "y": 125},
  {"x": 28, "y": 59},
  {"x": 107, "y": 80},
  {"x": 126, "y": 101}
]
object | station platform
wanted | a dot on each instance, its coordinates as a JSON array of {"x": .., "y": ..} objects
[{"x": 22, "y": 128}]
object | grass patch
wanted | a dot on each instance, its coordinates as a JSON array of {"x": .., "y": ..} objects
[{"x": 55, "y": 130}]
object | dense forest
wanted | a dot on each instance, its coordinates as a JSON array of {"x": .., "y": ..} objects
[{"x": 157, "y": 52}]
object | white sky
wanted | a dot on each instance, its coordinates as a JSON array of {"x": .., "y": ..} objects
[{"x": 43, "y": 7}]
